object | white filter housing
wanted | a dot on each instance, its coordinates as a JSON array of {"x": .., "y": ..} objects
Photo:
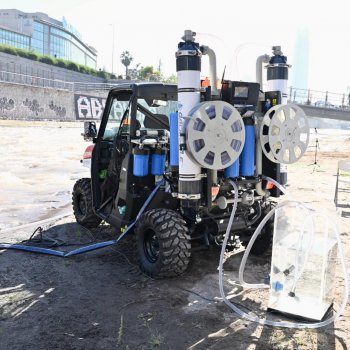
[
  {"x": 187, "y": 101},
  {"x": 279, "y": 85}
]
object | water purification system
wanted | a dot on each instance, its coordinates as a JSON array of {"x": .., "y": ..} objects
[{"x": 207, "y": 173}]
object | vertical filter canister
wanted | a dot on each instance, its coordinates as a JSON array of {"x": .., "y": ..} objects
[
  {"x": 233, "y": 170},
  {"x": 141, "y": 161},
  {"x": 174, "y": 139},
  {"x": 247, "y": 158},
  {"x": 158, "y": 161}
]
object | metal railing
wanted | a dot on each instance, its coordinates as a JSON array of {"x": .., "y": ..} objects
[
  {"x": 323, "y": 99},
  {"x": 81, "y": 86},
  {"x": 23, "y": 79}
]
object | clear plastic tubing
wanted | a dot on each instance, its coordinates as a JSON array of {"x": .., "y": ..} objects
[{"x": 264, "y": 321}]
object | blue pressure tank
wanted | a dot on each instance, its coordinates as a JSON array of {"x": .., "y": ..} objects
[
  {"x": 141, "y": 161},
  {"x": 247, "y": 158},
  {"x": 174, "y": 139},
  {"x": 233, "y": 170},
  {"x": 158, "y": 161}
]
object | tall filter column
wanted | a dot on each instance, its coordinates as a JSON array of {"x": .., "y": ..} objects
[
  {"x": 277, "y": 80},
  {"x": 188, "y": 67}
]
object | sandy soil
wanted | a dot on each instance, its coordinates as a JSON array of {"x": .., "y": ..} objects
[{"x": 101, "y": 300}]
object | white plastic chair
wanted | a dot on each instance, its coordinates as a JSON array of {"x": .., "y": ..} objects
[{"x": 343, "y": 166}]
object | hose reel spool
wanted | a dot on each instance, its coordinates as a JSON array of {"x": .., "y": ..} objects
[
  {"x": 284, "y": 133},
  {"x": 215, "y": 134}
]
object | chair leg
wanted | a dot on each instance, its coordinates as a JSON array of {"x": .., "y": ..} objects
[{"x": 336, "y": 190}]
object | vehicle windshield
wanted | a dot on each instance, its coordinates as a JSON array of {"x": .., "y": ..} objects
[
  {"x": 116, "y": 113},
  {"x": 158, "y": 108}
]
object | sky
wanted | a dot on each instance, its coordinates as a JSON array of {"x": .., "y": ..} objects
[{"x": 238, "y": 31}]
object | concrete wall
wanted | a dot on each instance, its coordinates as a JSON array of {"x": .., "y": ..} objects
[
  {"x": 38, "y": 103},
  {"x": 28, "y": 102}
]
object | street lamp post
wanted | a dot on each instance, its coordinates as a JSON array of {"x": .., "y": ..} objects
[{"x": 112, "y": 47}]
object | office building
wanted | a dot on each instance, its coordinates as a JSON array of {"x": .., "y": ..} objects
[{"x": 45, "y": 35}]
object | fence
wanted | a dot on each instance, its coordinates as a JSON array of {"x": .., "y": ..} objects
[
  {"x": 23, "y": 79},
  {"x": 324, "y": 99},
  {"x": 94, "y": 86}
]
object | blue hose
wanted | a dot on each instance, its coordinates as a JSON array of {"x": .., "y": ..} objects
[{"x": 87, "y": 248}]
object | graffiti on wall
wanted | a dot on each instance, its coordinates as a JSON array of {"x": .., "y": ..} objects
[
  {"x": 60, "y": 111},
  {"x": 33, "y": 105},
  {"x": 6, "y": 104},
  {"x": 88, "y": 107}
]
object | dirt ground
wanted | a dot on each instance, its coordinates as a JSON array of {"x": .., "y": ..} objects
[{"x": 101, "y": 300}]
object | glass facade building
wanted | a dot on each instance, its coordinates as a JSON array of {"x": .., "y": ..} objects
[{"x": 45, "y": 35}]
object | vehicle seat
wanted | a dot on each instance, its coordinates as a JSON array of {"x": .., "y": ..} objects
[{"x": 150, "y": 124}]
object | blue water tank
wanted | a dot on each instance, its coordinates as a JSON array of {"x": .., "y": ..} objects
[
  {"x": 141, "y": 161},
  {"x": 158, "y": 161}
]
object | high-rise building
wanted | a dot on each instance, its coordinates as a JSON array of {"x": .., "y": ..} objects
[
  {"x": 45, "y": 35},
  {"x": 300, "y": 64}
]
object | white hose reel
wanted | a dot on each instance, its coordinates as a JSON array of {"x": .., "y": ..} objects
[
  {"x": 284, "y": 134},
  {"x": 215, "y": 134}
]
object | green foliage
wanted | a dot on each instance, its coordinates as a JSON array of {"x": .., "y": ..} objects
[
  {"x": 21, "y": 53},
  {"x": 47, "y": 59},
  {"x": 84, "y": 69},
  {"x": 103, "y": 74},
  {"x": 8, "y": 49},
  {"x": 61, "y": 63},
  {"x": 32, "y": 55},
  {"x": 55, "y": 61},
  {"x": 72, "y": 66},
  {"x": 172, "y": 79},
  {"x": 126, "y": 59}
]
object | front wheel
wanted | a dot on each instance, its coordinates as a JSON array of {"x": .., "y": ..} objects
[
  {"x": 82, "y": 204},
  {"x": 163, "y": 243}
]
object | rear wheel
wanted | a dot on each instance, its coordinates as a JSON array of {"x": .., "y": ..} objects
[
  {"x": 82, "y": 204},
  {"x": 163, "y": 243}
]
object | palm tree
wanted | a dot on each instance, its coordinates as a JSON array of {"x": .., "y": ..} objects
[{"x": 126, "y": 59}]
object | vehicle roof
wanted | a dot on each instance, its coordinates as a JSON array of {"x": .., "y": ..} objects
[{"x": 149, "y": 89}]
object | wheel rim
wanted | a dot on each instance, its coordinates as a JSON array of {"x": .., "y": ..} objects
[
  {"x": 81, "y": 204},
  {"x": 151, "y": 246}
]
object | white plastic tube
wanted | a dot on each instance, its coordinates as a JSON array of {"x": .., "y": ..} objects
[{"x": 256, "y": 233}]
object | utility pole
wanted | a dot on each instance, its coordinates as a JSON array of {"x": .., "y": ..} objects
[{"x": 112, "y": 47}]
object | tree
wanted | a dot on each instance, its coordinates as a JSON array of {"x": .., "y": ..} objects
[
  {"x": 172, "y": 79},
  {"x": 126, "y": 59},
  {"x": 146, "y": 72}
]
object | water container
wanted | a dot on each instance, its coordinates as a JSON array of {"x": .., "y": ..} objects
[
  {"x": 141, "y": 161},
  {"x": 158, "y": 161},
  {"x": 303, "y": 264},
  {"x": 233, "y": 170}
]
